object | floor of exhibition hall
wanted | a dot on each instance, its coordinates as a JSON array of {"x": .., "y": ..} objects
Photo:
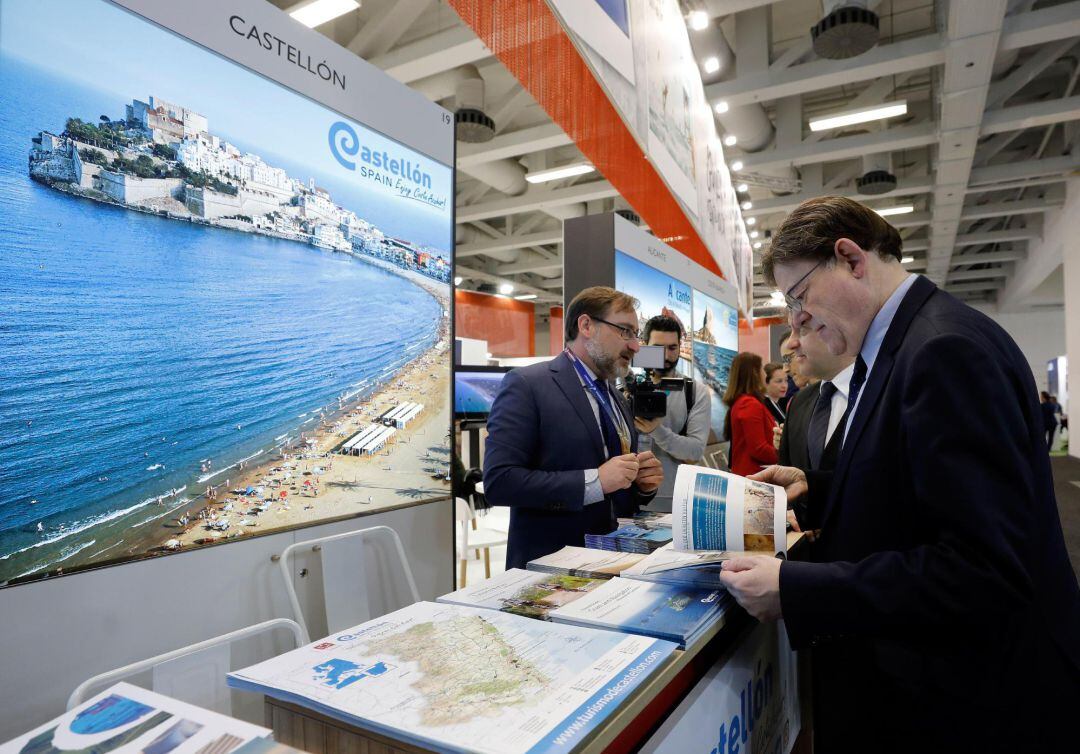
[{"x": 1067, "y": 489}]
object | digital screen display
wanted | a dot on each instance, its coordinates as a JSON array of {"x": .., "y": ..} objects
[{"x": 475, "y": 391}]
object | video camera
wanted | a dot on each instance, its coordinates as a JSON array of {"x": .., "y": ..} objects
[{"x": 648, "y": 400}]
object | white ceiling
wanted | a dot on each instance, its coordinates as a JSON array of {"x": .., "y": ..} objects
[{"x": 990, "y": 136}]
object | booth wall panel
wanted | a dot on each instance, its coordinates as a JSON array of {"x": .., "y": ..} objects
[
  {"x": 59, "y": 632},
  {"x": 556, "y": 333},
  {"x": 508, "y": 326}
]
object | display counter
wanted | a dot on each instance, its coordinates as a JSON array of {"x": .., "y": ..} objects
[{"x": 663, "y": 715}]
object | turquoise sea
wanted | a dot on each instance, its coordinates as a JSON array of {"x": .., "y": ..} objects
[{"x": 134, "y": 347}]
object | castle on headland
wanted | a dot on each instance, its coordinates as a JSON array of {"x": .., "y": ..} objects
[{"x": 162, "y": 158}]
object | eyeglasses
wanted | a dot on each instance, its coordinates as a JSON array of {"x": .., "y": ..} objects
[
  {"x": 627, "y": 333},
  {"x": 794, "y": 303}
]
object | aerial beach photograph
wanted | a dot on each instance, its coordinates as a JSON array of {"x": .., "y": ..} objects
[{"x": 213, "y": 328}]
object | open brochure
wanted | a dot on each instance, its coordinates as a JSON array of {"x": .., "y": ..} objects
[{"x": 716, "y": 516}]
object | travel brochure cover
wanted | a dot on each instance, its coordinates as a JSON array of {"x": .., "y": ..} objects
[{"x": 211, "y": 284}]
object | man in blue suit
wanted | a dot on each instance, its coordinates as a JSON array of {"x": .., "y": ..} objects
[
  {"x": 940, "y": 604},
  {"x": 561, "y": 447}
]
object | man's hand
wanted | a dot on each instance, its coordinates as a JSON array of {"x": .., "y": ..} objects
[
  {"x": 777, "y": 433},
  {"x": 650, "y": 474},
  {"x": 793, "y": 521},
  {"x": 791, "y": 479},
  {"x": 619, "y": 473},
  {"x": 647, "y": 427},
  {"x": 754, "y": 582}
]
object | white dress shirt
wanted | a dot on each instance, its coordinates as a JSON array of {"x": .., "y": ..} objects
[{"x": 842, "y": 383}]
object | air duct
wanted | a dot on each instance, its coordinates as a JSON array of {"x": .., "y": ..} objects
[
  {"x": 877, "y": 177},
  {"x": 466, "y": 85},
  {"x": 848, "y": 29}
]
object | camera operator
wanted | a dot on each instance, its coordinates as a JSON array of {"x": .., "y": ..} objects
[{"x": 679, "y": 436}]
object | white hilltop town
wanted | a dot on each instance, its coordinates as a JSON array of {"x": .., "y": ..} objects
[{"x": 161, "y": 158}]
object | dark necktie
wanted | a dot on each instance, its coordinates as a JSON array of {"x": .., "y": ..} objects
[
  {"x": 858, "y": 377},
  {"x": 817, "y": 435}
]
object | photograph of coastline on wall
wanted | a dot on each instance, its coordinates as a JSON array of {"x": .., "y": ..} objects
[
  {"x": 716, "y": 341},
  {"x": 657, "y": 293},
  {"x": 220, "y": 319}
]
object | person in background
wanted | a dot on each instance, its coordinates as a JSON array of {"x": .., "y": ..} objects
[
  {"x": 786, "y": 355},
  {"x": 1050, "y": 410},
  {"x": 562, "y": 447},
  {"x": 679, "y": 436},
  {"x": 748, "y": 424},
  {"x": 776, "y": 387}
]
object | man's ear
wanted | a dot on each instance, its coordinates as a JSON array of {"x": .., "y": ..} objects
[
  {"x": 585, "y": 325},
  {"x": 851, "y": 256}
]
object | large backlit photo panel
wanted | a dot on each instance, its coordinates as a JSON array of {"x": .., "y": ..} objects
[
  {"x": 211, "y": 285},
  {"x": 716, "y": 342},
  {"x": 657, "y": 293}
]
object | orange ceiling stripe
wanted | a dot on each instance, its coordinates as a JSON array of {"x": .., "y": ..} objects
[{"x": 529, "y": 40}]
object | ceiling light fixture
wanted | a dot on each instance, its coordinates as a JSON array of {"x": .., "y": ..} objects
[
  {"x": 757, "y": 244},
  {"x": 722, "y": 106},
  {"x": 737, "y": 166},
  {"x": 907, "y": 260},
  {"x": 754, "y": 234},
  {"x": 525, "y": 297},
  {"x": 863, "y": 115},
  {"x": 742, "y": 188},
  {"x": 751, "y": 221},
  {"x": 730, "y": 140},
  {"x": 777, "y": 298},
  {"x": 903, "y": 209},
  {"x": 554, "y": 174},
  {"x": 747, "y": 205},
  {"x": 699, "y": 20},
  {"x": 712, "y": 65},
  {"x": 319, "y": 12},
  {"x": 506, "y": 289},
  {"x": 458, "y": 279}
]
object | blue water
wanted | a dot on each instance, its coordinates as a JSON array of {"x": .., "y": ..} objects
[
  {"x": 129, "y": 340},
  {"x": 712, "y": 365}
]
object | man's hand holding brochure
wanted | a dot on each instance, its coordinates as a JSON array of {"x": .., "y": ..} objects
[{"x": 722, "y": 525}]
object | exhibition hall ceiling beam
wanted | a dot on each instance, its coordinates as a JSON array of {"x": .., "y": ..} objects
[
  {"x": 435, "y": 54},
  {"x": 998, "y": 236},
  {"x": 885, "y": 60},
  {"x": 986, "y": 274},
  {"x": 534, "y": 263},
  {"x": 906, "y": 187},
  {"x": 872, "y": 95},
  {"x": 514, "y": 144},
  {"x": 508, "y": 243},
  {"x": 1039, "y": 26},
  {"x": 845, "y": 147},
  {"x": 379, "y": 35},
  {"x": 720, "y": 8},
  {"x": 1001, "y": 90},
  {"x": 1031, "y": 116},
  {"x": 989, "y": 285},
  {"x": 1012, "y": 171},
  {"x": 537, "y": 200},
  {"x": 519, "y": 287}
]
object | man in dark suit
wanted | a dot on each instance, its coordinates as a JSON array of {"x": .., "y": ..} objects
[
  {"x": 562, "y": 447},
  {"x": 810, "y": 441},
  {"x": 941, "y": 597}
]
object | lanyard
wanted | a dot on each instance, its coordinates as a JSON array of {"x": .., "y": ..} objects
[{"x": 592, "y": 386}]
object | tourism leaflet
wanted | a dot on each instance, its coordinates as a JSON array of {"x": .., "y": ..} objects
[
  {"x": 126, "y": 719},
  {"x": 583, "y": 561},
  {"x": 463, "y": 679},
  {"x": 630, "y": 539},
  {"x": 532, "y": 594},
  {"x": 675, "y": 613},
  {"x": 716, "y": 516}
]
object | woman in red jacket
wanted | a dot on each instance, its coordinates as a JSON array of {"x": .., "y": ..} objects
[{"x": 748, "y": 423}]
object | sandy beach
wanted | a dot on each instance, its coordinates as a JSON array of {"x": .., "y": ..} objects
[{"x": 309, "y": 481}]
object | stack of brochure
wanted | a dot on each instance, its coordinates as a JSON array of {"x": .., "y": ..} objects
[
  {"x": 581, "y": 561},
  {"x": 716, "y": 516},
  {"x": 461, "y": 679},
  {"x": 126, "y": 719},
  {"x": 677, "y": 613},
  {"x": 630, "y": 539},
  {"x": 533, "y": 594}
]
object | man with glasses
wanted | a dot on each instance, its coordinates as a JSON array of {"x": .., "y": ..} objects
[
  {"x": 562, "y": 447},
  {"x": 941, "y": 606}
]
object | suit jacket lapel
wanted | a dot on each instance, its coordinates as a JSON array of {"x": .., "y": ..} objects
[
  {"x": 879, "y": 375},
  {"x": 624, "y": 407},
  {"x": 567, "y": 379}
]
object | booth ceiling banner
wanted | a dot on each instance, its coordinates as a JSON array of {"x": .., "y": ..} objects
[{"x": 662, "y": 101}]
